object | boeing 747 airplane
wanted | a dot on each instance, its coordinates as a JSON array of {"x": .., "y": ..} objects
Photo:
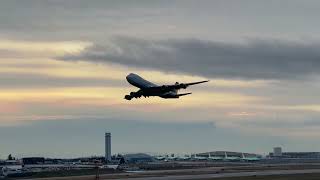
[{"x": 147, "y": 88}]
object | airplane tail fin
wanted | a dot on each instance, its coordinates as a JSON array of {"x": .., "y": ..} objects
[{"x": 184, "y": 94}]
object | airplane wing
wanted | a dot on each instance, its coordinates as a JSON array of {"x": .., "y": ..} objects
[
  {"x": 185, "y": 85},
  {"x": 194, "y": 83},
  {"x": 184, "y": 94},
  {"x": 176, "y": 86}
]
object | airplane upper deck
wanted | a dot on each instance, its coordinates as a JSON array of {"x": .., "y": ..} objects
[{"x": 139, "y": 82}]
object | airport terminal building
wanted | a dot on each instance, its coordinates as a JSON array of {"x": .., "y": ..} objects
[
  {"x": 278, "y": 154},
  {"x": 138, "y": 158},
  {"x": 296, "y": 155},
  {"x": 228, "y": 154}
]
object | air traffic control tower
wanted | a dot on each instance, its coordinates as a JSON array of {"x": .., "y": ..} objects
[{"x": 108, "y": 146}]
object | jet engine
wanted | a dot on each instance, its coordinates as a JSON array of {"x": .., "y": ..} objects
[
  {"x": 133, "y": 95},
  {"x": 181, "y": 85}
]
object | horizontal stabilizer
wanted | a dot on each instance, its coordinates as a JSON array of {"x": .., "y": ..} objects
[{"x": 183, "y": 94}]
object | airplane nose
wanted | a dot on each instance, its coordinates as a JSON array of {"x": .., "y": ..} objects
[
  {"x": 131, "y": 76},
  {"x": 128, "y": 76}
]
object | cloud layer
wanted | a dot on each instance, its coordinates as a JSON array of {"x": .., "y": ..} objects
[
  {"x": 252, "y": 59},
  {"x": 265, "y": 88}
]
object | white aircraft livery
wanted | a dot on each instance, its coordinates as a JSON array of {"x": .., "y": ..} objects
[{"x": 147, "y": 88}]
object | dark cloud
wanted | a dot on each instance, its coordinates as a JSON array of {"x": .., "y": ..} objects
[
  {"x": 75, "y": 19},
  {"x": 59, "y": 20},
  {"x": 254, "y": 59}
]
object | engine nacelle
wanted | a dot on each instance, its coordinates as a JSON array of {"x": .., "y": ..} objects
[
  {"x": 128, "y": 97},
  {"x": 164, "y": 87},
  {"x": 137, "y": 94},
  {"x": 183, "y": 86}
]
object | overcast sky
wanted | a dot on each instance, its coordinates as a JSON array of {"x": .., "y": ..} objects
[{"x": 63, "y": 66}]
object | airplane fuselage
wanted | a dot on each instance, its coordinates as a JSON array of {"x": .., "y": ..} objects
[
  {"x": 150, "y": 89},
  {"x": 147, "y": 88}
]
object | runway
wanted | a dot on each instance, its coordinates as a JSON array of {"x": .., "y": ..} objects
[
  {"x": 146, "y": 176},
  {"x": 222, "y": 175}
]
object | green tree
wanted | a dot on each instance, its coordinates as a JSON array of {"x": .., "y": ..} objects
[{"x": 10, "y": 157}]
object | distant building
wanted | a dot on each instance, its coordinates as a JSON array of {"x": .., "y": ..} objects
[
  {"x": 277, "y": 151},
  {"x": 108, "y": 146},
  {"x": 226, "y": 154},
  {"x": 296, "y": 155},
  {"x": 138, "y": 158},
  {"x": 33, "y": 160}
]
